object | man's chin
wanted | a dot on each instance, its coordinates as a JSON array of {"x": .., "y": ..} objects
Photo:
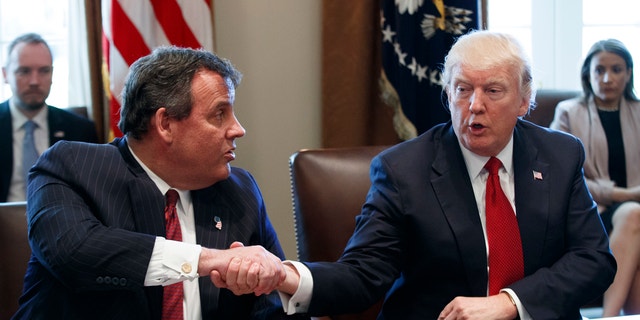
[
  {"x": 32, "y": 106},
  {"x": 204, "y": 182}
]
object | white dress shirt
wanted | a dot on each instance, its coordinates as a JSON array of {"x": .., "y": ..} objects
[
  {"x": 299, "y": 302},
  {"x": 41, "y": 139},
  {"x": 175, "y": 261}
]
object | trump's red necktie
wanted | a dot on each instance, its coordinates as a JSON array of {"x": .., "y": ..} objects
[
  {"x": 173, "y": 294},
  {"x": 503, "y": 235}
]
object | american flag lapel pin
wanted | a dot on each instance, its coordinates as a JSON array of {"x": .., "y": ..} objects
[
  {"x": 537, "y": 175},
  {"x": 218, "y": 222}
]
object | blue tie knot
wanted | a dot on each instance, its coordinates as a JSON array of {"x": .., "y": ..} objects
[{"x": 29, "y": 126}]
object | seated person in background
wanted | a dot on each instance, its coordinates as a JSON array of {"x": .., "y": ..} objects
[
  {"x": 96, "y": 212},
  {"x": 28, "y": 71},
  {"x": 427, "y": 239},
  {"x": 607, "y": 120}
]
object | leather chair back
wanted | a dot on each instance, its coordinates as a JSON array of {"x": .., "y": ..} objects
[
  {"x": 329, "y": 187},
  {"x": 546, "y": 102},
  {"x": 79, "y": 110},
  {"x": 14, "y": 255}
]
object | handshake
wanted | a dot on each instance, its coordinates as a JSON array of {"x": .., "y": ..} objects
[{"x": 246, "y": 270}]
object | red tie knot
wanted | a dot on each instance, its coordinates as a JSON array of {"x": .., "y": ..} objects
[
  {"x": 172, "y": 197},
  {"x": 493, "y": 165}
]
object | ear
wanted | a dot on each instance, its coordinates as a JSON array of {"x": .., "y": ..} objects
[
  {"x": 161, "y": 123},
  {"x": 4, "y": 75},
  {"x": 524, "y": 107}
]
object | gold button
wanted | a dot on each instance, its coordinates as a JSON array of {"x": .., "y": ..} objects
[{"x": 186, "y": 267}]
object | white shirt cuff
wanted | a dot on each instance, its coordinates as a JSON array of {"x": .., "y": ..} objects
[
  {"x": 522, "y": 312},
  {"x": 299, "y": 301},
  {"x": 172, "y": 262}
]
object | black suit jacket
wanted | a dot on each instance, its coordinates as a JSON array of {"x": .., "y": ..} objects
[
  {"x": 63, "y": 125},
  {"x": 419, "y": 238},
  {"x": 93, "y": 215}
]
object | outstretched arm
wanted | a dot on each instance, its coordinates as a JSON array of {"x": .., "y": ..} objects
[{"x": 243, "y": 269}]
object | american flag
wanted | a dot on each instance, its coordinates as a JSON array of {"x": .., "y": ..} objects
[
  {"x": 218, "y": 222},
  {"x": 537, "y": 175},
  {"x": 132, "y": 28},
  {"x": 416, "y": 36}
]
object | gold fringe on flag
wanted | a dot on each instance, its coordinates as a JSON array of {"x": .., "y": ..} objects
[{"x": 403, "y": 126}]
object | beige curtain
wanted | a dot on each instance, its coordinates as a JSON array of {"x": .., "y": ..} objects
[{"x": 352, "y": 112}]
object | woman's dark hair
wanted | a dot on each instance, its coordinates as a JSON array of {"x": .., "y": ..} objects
[{"x": 609, "y": 45}]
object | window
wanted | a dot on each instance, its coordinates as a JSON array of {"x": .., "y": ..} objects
[
  {"x": 558, "y": 33},
  {"x": 61, "y": 24}
]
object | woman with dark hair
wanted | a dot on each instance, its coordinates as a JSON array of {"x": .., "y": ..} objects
[{"x": 607, "y": 120}]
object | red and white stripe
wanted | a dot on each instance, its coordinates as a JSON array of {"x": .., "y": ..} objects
[{"x": 132, "y": 28}]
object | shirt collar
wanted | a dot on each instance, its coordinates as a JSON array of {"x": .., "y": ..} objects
[
  {"x": 18, "y": 118},
  {"x": 475, "y": 163},
  {"x": 185, "y": 195}
]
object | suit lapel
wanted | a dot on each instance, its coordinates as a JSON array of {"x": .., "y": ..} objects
[
  {"x": 147, "y": 204},
  {"x": 461, "y": 214},
  {"x": 146, "y": 201},
  {"x": 208, "y": 206},
  {"x": 148, "y": 207},
  {"x": 531, "y": 196},
  {"x": 56, "y": 126}
]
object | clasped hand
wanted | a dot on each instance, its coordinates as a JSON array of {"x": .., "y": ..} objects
[
  {"x": 495, "y": 307},
  {"x": 244, "y": 270}
]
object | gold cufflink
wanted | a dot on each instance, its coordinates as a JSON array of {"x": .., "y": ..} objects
[{"x": 186, "y": 267}]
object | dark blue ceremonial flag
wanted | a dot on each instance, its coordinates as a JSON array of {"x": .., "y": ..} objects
[{"x": 416, "y": 36}]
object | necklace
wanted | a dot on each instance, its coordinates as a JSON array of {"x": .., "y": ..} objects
[
  {"x": 607, "y": 108},
  {"x": 614, "y": 109}
]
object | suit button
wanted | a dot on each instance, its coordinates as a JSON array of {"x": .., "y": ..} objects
[
  {"x": 123, "y": 282},
  {"x": 107, "y": 280},
  {"x": 99, "y": 280},
  {"x": 115, "y": 281}
]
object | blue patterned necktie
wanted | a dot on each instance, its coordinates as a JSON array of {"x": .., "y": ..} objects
[{"x": 29, "y": 152}]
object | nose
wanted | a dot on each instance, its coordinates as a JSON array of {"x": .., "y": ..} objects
[
  {"x": 476, "y": 103},
  {"x": 237, "y": 130},
  {"x": 606, "y": 77},
  {"x": 34, "y": 77}
]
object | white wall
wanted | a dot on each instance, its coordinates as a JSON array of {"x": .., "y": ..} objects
[{"x": 276, "y": 45}]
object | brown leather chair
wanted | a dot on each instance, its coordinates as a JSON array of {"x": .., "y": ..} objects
[
  {"x": 329, "y": 187},
  {"x": 546, "y": 102},
  {"x": 14, "y": 255},
  {"x": 79, "y": 110}
]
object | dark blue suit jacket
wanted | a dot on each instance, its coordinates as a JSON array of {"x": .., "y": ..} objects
[
  {"x": 63, "y": 125},
  {"x": 93, "y": 215},
  {"x": 419, "y": 238}
]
